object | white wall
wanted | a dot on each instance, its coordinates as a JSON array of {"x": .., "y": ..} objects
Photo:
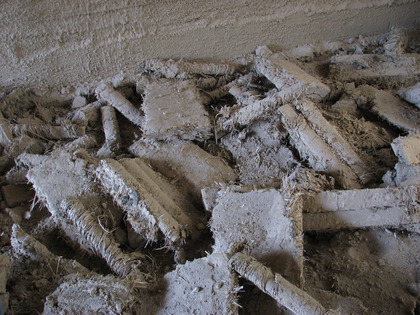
[{"x": 52, "y": 42}]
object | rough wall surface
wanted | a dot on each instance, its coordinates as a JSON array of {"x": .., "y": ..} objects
[{"x": 51, "y": 42}]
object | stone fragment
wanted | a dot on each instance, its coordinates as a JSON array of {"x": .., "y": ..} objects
[
  {"x": 185, "y": 163},
  {"x": 353, "y": 209},
  {"x": 264, "y": 224},
  {"x": 175, "y": 109}
]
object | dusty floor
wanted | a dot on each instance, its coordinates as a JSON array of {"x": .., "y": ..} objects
[{"x": 132, "y": 197}]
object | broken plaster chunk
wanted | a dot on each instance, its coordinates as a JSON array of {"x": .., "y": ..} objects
[
  {"x": 258, "y": 161},
  {"x": 287, "y": 75},
  {"x": 78, "y": 101},
  {"x": 27, "y": 246},
  {"x": 210, "y": 83},
  {"x": 372, "y": 68},
  {"x": 407, "y": 170},
  {"x": 15, "y": 195},
  {"x": 175, "y": 109},
  {"x": 202, "y": 286},
  {"x": 402, "y": 175},
  {"x": 61, "y": 176},
  {"x": 186, "y": 163},
  {"x": 111, "y": 132},
  {"x": 349, "y": 209},
  {"x": 390, "y": 108},
  {"x": 114, "y": 98},
  {"x": 264, "y": 224},
  {"x": 67, "y": 174},
  {"x": 31, "y": 160},
  {"x": 333, "y": 138},
  {"x": 17, "y": 214},
  {"x": 25, "y": 144},
  {"x": 407, "y": 149},
  {"x": 150, "y": 202},
  {"x": 45, "y": 131},
  {"x": 87, "y": 115},
  {"x": 305, "y": 179},
  {"x": 248, "y": 112},
  {"x": 209, "y": 197},
  {"x": 93, "y": 294},
  {"x": 396, "y": 42},
  {"x": 346, "y": 106},
  {"x": 313, "y": 148},
  {"x": 17, "y": 175},
  {"x": 182, "y": 69},
  {"x": 85, "y": 142},
  {"x": 275, "y": 285},
  {"x": 223, "y": 90},
  {"x": 411, "y": 94}
]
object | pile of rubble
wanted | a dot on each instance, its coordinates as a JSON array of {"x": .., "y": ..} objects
[{"x": 204, "y": 188}]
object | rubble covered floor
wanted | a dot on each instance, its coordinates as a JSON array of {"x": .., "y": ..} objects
[{"x": 274, "y": 183}]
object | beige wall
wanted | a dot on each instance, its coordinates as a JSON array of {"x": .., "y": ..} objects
[{"x": 52, "y": 42}]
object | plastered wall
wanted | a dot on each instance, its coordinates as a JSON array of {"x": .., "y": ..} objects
[{"x": 53, "y": 43}]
